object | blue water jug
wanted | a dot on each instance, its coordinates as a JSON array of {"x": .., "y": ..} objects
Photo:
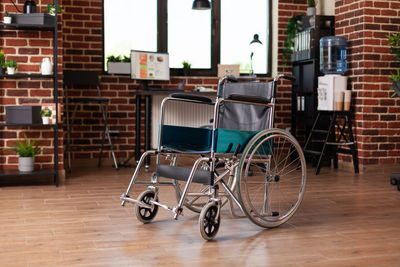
[{"x": 332, "y": 55}]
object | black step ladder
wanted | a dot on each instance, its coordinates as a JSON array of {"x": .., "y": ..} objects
[{"x": 332, "y": 143}]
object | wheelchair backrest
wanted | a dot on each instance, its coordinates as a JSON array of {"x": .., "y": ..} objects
[{"x": 244, "y": 117}]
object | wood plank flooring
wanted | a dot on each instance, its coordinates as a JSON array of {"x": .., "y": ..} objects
[{"x": 345, "y": 220}]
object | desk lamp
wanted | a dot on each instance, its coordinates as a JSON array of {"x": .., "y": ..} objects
[
  {"x": 201, "y": 5},
  {"x": 255, "y": 40}
]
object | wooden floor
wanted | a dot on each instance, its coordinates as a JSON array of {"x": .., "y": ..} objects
[{"x": 344, "y": 220}]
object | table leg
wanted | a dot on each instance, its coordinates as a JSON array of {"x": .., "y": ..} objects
[{"x": 138, "y": 119}]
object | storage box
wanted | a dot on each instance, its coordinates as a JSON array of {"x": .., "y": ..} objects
[
  {"x": 33, "y": 19},
  {"x": 23, "y": 115}
]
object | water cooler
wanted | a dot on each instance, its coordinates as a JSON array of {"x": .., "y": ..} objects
[{"x": 333, "y": 64}]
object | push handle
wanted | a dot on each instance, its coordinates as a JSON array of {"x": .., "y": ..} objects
[{"x": 289, "y": 77}]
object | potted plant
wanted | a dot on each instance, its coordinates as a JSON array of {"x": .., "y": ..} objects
[
  {"x": 46, "y": 114},
  {"x": 118, "y": 64},
  {"x": 292, "y": 28},
  {"x": 186, "y": 68},
  {"x": 2, "y": 62},
  {"x": 311, "y": 8},
  {"x": 51, "y": 9},
  {"x": 11, "y": 66},
  {"x": 7, "y": 18},
  {"x": 394, "y": 43},
  {"x": 27, "y": 150}
]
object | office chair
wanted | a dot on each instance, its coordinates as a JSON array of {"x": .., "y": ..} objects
[{"x": 87, "y": 80}]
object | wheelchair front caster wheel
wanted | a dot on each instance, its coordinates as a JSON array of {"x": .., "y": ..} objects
[
  {"x": 209, "y": 221},
  {"x": 146, "y": 215}
]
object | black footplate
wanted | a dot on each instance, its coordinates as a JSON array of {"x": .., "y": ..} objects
[{"x": 182, "y": 174}]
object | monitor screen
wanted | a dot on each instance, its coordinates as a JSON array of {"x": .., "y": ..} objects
[{"x": 149, "y": 65}]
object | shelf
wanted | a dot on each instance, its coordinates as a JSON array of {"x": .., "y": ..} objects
[
  {"x": 27, "y": 125},
  {"x": 34, "y": 27},
  {"x": 27, "y": 75},
  {"x": 11, "y": 173}
]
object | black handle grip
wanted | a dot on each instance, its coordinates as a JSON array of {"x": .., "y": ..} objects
[
  {"x": 289, "y": 77},
  {"x": 232, "y": 78}
]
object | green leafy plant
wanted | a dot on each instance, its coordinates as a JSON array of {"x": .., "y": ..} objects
[
  {"x": 11, "y": 64},
  {"x": 113, "y": 58},
  {"x": 126, "y": 59},
  {"x": 25, "y": 148},
  {"x": 311, "y": 3},
  {"x": 2, "y": 59},
  {"x": 292, "y": 28},
  {"x": 45, "y": 113},
  {"x": 186, "y": 65},
  {"x": 52, "y": 10},
  {"x": 6, "y": 14},
  {"x": 394, "y": 43}
]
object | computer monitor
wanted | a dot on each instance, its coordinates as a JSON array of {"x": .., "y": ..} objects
[{"x": 147, "y": 65}]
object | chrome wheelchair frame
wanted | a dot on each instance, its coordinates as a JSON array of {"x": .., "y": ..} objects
[{"x": 262, "y": 164}]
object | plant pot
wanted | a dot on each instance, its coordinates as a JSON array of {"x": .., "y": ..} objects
[
  {"x": 186, "y": 72},
  {"x": 7, "y": 20},
  {"x": 2, "y": 70},
  {"x": 26, "y": 164},
  {"x": 45, "y": 120},
  {"x": 311, "y": 11},
  {"x": 10, "y": 71},
  {"x": 119, "y": 67}
]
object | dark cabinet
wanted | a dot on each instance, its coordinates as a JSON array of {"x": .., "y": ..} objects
[{"x": 305, "y": 62}]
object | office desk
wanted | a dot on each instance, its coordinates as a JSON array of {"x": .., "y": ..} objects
[{"x": 147, "y": 94}]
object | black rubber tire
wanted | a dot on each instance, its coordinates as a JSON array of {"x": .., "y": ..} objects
[
  {"x": 208, "y": 223},
  {"x": 394, "y": 181},
  {"x": 146, "y": 215}
]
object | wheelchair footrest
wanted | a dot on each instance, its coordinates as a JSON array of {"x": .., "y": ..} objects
[{"x": 182, "y": 174}]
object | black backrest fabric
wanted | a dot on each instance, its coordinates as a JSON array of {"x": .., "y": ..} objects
[
  {"x": 80, "y": 78},
  {"x": 245, "y": 117}
]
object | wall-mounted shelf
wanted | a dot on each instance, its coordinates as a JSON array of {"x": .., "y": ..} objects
[
  {"x": 27, "y": 75},
  {"x": 47, "y": 23}
]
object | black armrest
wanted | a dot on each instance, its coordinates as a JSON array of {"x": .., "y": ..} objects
[
  {"x": 246, "y": 98},
  {"x": 192, "y": 97}
]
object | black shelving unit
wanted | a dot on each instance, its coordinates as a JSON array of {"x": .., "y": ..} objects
[
  {"x": 53, "y": 27},
  {"x": 305, "y": 63}
]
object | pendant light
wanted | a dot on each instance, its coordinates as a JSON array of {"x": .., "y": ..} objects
[{"x": 201, "y": 5}]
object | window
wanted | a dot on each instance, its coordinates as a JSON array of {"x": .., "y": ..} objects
[{"x": 204, "y": 38}]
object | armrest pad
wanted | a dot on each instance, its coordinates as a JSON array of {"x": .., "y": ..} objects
[
  {"x": 192, "y": 97},
  {"x": 246, "y": 98}
]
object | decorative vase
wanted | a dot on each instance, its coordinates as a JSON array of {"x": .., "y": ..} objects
[
  {"x": 26, "y": 164},
  {"x": 10, "y": 71},
  {"x": 45, "y": 120},
  {"x": 7, "y": 20},
  {"x": 46, "y": 66},
  {"x": 311, "y": 11}
]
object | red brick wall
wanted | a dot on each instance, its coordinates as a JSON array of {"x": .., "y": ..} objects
[
  {"x": 365, "y": 24},
  {"x": 286, "y": 10},
  {"x": 27, "y": 48}
]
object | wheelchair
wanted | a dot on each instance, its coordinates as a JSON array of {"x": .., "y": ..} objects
[{"x": 241, "y": 160}]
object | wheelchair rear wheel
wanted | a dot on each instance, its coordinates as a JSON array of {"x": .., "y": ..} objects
[
  {"x": 209, "y": 220},
  {"x": 146, "y": 215},
  {"x": 272, "y": 176}
]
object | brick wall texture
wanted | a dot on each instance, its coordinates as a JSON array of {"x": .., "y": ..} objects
[{"x": 365, "y": 23}]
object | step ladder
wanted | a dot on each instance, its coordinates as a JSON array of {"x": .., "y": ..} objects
[{"x": 332, "y": 139}]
